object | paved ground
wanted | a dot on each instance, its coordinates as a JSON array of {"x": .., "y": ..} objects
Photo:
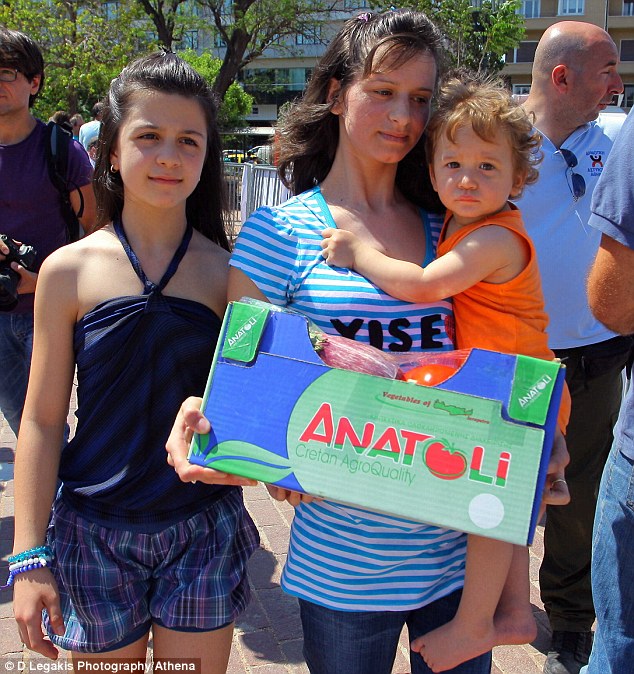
[{"x": 268, "y": 637}]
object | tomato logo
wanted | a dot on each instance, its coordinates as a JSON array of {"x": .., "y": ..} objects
[{"x": 445, "y": 461}]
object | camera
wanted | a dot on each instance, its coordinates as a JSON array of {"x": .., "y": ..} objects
[{"x": 26, "y": 256}]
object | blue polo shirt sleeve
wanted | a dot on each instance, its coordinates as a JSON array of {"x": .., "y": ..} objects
[{"x": 612, "y": 209}]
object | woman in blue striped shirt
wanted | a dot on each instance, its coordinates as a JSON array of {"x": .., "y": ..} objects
[
  {"x": 351, "y": 150},
  {"x": 355, "y": 159}
]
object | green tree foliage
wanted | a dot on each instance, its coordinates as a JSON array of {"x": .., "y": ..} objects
[
  {"x": 245, "y": 28},
  {"x": 236, "y": 103},
  {"x": 252, "y": 26},
  {"x": 85, "y": 43},
  {"x": 479, "y": 32},
  {"x": 266, "y": 80},
  {"x": 171, "y": 19}
]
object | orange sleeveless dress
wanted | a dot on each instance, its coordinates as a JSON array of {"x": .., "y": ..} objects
[{"x": 509, "y": 317}]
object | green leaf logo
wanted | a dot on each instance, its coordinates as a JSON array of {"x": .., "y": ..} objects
[
  {"x": 242, "y": 338},
  {"x": 252, "y": 461}
]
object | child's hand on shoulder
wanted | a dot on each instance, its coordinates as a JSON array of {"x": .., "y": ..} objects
[{"x": 339, "y": 247}]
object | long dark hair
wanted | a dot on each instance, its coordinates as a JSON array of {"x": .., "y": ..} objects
[
  {"x": 309, "y": 131},
  {"x": 166, "y": 73}
]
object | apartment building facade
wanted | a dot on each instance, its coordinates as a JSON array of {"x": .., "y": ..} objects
[{"x": 281, "y": 74}]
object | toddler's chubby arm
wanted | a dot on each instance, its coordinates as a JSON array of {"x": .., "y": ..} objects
[
  {"x": 491, "y": 253},
  {"x": 398, "y": 278}
]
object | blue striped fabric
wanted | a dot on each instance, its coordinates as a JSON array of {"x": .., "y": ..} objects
[{"x": 342, "y": 557}]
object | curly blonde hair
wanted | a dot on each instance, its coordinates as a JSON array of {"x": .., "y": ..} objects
[{"x": 486, "y": 104}]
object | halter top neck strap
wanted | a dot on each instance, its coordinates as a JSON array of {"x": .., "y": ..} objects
[{"x": 149, "y": 286}]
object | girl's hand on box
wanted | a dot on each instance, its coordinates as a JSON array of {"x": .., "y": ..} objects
[{"x": 191, "y": 420}]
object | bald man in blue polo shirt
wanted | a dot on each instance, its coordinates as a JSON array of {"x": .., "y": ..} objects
[{"x": 574, "y": 79}]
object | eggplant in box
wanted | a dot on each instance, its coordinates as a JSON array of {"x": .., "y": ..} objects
[{"x": 469, "y": 453}]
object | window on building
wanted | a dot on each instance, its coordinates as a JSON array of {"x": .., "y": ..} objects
[
  {"x": 285, "y": 82},
  {"x": 568, "y": 7},
  {"x": 259, "y": 79},
  {"x": 110, "y": 10},
  {"x": 226, "y": 11},
  {"x": 310, "y": 35},
  {"x": 627, "y": 50},
  {"x": 525, "y": 53},
  {"x": 521, "y": 89},
  {"x": 189, "y": 40},
  {"x": 530, "y": 9},
  {"x": 189, "y": 9},
  {"x": 298, "y": 77},
  {"x": 628, "y": 8}
]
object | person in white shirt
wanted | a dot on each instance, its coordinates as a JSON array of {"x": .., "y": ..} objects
[{"x": 574, "y": 79}]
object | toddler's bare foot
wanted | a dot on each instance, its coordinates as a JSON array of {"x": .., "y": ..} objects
[
  {"x": 515, "y": 624},
  {"x": 454, "y": 643}
]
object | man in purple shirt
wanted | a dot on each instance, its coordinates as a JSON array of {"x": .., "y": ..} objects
[{"x": 30, "y": 205}]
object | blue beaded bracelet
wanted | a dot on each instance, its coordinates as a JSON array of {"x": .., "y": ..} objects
[
  {"x": 35, "y": 558},
  {"x": 32, "y": 552}
]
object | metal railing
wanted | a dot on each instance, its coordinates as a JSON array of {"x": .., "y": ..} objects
[
  {"x": 251, "y": 186},
  {"x": 233, "y": 179}
]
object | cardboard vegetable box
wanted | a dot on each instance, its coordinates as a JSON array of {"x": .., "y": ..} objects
[{"x": 468, "y": 454}]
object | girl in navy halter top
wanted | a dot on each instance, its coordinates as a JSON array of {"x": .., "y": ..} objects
[{"x": 135, "y": 309}]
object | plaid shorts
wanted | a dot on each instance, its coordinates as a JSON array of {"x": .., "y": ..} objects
[{"x": 114, "y": 583}]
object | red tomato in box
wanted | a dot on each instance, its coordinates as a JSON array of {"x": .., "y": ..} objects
[{"x": 430, "y": 375}]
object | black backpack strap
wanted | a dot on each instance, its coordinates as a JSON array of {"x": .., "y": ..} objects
[{"x": 57, "y": 150}]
